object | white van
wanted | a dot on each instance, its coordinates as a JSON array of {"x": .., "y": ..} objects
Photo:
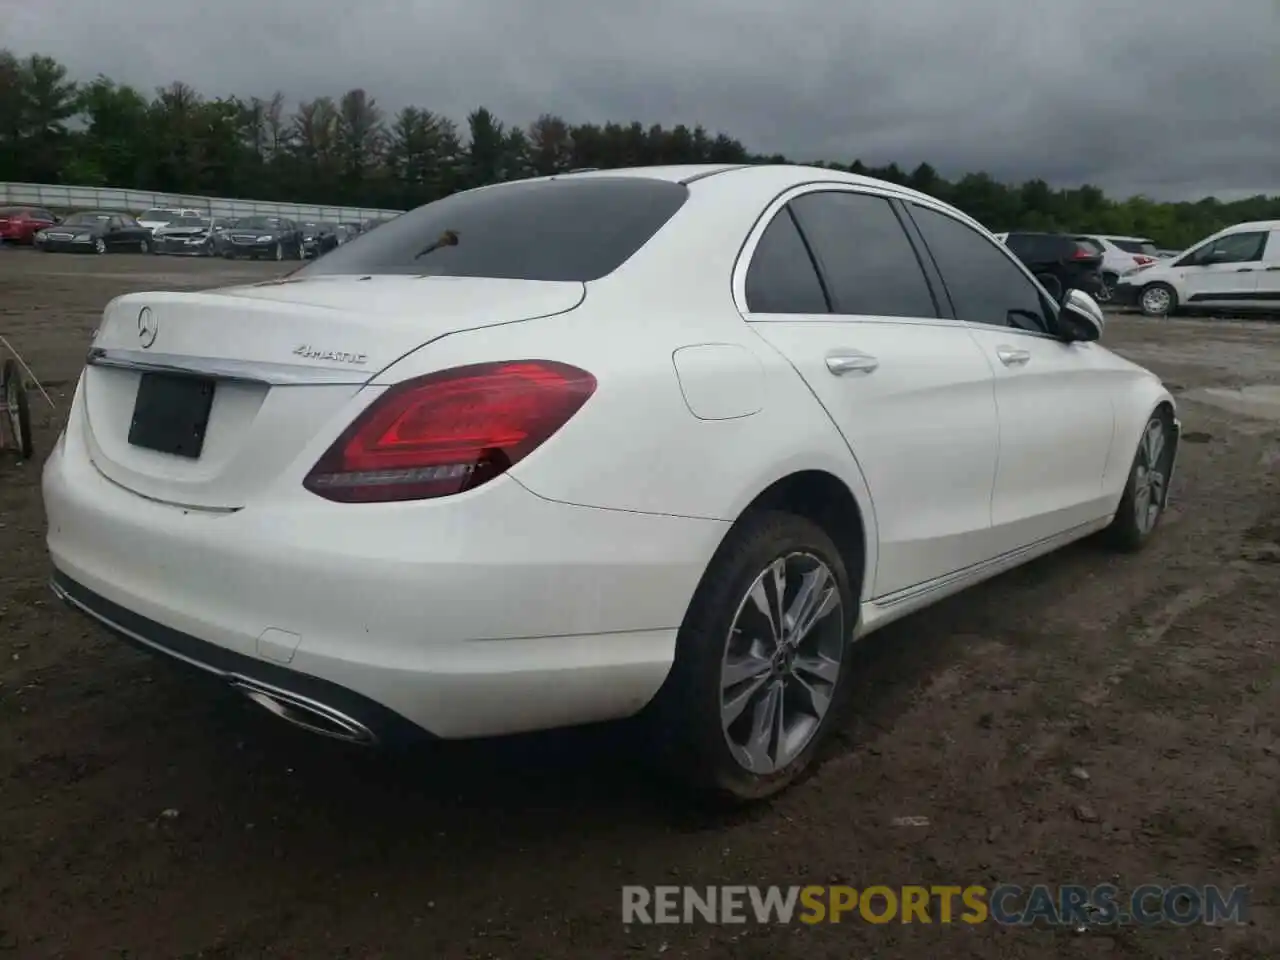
[{"x": 1235, "y": 269}]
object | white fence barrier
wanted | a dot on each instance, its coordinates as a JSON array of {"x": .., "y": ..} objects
[{"x": 135, "y": 201}]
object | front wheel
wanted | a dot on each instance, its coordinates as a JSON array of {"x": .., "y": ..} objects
[
  {"x": 279, "y": 251},
  {"x": 99, "y": 246},
  {"x": 15, "y": 400},
  {"x": 144, "y": 246},
  {"x": 760, "y": 665},
  {"x": 1147, "y": 491},
  {"x": 1158, "y": 300}
]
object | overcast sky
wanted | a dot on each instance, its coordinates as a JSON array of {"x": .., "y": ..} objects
[{"x": 1176, "y": 98}]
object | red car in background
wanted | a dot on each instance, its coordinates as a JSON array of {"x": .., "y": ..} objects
[{"x": 20, "y": 224}]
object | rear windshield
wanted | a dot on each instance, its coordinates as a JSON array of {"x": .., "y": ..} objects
[
  {"x": 1033, "y": 246},
  {"x": 572, "y": 229},
  {"x": 1145, "y": 247},
  {"x": 1090, "y": 245}
]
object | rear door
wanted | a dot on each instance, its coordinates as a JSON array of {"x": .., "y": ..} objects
[
  {"x": 1225, "y": 270},
  {"x": 909, "y": 389},
  {"x": 118, "y": 236},
  {"x": 1054, "y": 398}
]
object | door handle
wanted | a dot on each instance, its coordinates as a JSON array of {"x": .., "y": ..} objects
[
  {"x": 1245, "y": 270},
  {"x": 1011, "y": 357},
  {"x": 844, "y": 362}
]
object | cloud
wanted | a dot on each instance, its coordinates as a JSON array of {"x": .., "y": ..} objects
[{"x": 1177, "y": 100}]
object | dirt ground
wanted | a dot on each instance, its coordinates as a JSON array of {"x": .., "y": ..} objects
[{"x": 144, "y": 813}]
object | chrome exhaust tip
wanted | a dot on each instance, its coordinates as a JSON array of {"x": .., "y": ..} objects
[{"x": 303, "y": 712}]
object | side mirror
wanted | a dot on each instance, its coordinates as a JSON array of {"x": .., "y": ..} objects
[{"x": 1080, "y": 319}]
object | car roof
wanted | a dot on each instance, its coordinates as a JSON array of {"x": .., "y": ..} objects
[{"x": 1252, "y": 225}]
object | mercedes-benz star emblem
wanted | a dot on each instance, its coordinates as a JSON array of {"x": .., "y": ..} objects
[{"x": 148, "y": 327}]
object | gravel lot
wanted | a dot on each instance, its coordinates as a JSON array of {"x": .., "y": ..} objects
[{"x": 144, "y": 813}]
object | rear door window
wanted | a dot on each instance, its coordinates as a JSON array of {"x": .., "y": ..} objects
[
  {"x": 570, "y": 229},
  {"x": 782, "y": 277},
  {"x": 867, "y": 260},
  {"x": 1144, "y": 247}
]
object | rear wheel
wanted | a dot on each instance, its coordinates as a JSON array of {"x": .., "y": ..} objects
[
  {"x": 1158, "y": 300},
  {"x": 1147, "y": 490},
  {"x": 760, "y": 665},
  {"x": 99, "y": 246},
  {"x": 144, "y": 246},
  {"x": 1107, "y": 290}
]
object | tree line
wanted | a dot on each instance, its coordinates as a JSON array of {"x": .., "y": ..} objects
[{"x": 349, "y": 151}]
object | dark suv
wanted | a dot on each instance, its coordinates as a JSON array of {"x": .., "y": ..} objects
[{"x": 1060, "y": 261}]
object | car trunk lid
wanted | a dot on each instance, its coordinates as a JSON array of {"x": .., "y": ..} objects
[{"x": 204, "y": 399}]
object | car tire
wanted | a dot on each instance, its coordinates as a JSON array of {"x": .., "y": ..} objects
[
  {"x": 690, "y": 724},
  {"x": 1157, "y": 300},
  {"x": 1052, "y": 285},
  {"x": 144, "y": 246},
  {"x": 15, "y": 398},
  {"x": 279, "y": 251},
  {"x": 1107, "y": 291},
  {"x": 1146, "y": 492},
  {"x": 99, "y": 246}
]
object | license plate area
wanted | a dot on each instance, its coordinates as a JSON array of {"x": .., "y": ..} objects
[{"x": 171, "y": 414}]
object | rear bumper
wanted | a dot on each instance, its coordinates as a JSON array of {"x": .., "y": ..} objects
[
  {"x": 367, "y": 721},
  {"x": 498, "y": 612}
]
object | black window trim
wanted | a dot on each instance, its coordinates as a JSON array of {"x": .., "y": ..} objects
[
  {"x": 808, "y": 249},
  {"x": 782, "y": 200}
]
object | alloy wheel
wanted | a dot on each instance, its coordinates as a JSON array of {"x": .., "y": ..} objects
[
  {"x": 782, "y": 660},
  {"x": 1150, "y": 477},
  {"x": 1156, "y": 300}
]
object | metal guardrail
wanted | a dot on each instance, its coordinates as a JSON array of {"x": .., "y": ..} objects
[{"x": 135, "y": 201}]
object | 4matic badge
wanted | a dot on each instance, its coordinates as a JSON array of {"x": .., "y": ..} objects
[{"x": 308, "y": 352}]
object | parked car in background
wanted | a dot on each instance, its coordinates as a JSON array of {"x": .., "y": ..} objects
[
  {"x": 1060, "y": 261},
  {"x": 1119, "y": 256},
  {"x": 159, "y": 216},
  {"x": 1167, "y": 254},
  {"x": 352, "y": 230},
  {"x": 21, "y": 224},
  {"x": 570, "y": 449},
  {"x": 259, "y": 237},
  {"x": 191, "y": 236},
  {"x": 318, "y": 238},
  {"x": 1234, "y": 269},
  {"x": 96, "y": 231}
]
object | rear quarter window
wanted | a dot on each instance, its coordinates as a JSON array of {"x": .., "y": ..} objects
[{"x": 553, "y": 230}]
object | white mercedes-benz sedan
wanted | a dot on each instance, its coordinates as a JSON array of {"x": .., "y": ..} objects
[{"x": 659, "y": 441}]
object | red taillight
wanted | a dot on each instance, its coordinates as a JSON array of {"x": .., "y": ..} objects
[
  {"x": 449, "y": 431},
  {"x": 1083, "y": 254},
  {"x": 1143, "y": 261}
]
